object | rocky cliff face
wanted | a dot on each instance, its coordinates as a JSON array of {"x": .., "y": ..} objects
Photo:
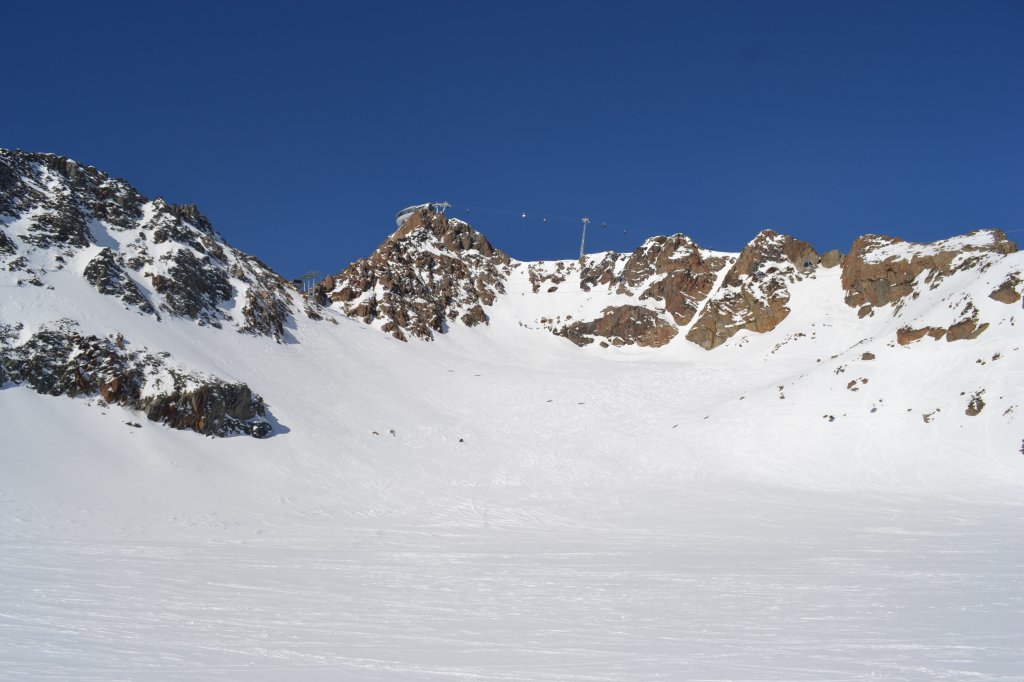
[
  {"x": 433, "y": 272},
  {"x": 888, "y": 273},
  {"x": 881, "y": 270},
  {"x": 667, "y": 279},
  {"x": 755, "y": 291},
  {"x": 673, "y": 272}
]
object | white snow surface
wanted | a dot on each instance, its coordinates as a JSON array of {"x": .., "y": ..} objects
[
  {"x": 501, "y": 505},
  {"x": 979, "y": 239}
]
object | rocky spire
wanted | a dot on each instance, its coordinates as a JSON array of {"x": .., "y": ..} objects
[{"x": 434, "y": 271}]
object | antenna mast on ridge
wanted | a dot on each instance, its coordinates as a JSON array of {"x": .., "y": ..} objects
[{"x": 583, "y": 241}]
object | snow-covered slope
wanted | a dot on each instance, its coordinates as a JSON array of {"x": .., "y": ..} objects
[{"x": 824, "y": 494}]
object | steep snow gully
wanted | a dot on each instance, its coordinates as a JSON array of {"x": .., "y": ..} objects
[{"x": 672, "y": 464}]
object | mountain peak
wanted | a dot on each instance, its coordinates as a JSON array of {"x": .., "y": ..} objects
[{"x": 431, "y": 272}]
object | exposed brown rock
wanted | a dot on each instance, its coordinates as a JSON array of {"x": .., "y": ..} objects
[
  {"x": 474, "y": 316},
  {"x": 111, "y": 390},
  {"x": 670, "y": 274},
  {"x": 906, "y": 335},
  {"x": 266, "y": 311},
  {"x": 831, "y": 259},
  {"x": 867, "y": 356},
  {"x": 755, "y": 292},
  {"x": 539, "y": 275},
  {"x": 689, "y": 273},
  {"x": 975, "y": 405},
  {"x": 871, "y": 281},
  {"x": 622, "y": 325},
  {"x": 966, "y": 329},
  {"x": 1007, "y": 291},
  {"x": 432, "y": 271}
]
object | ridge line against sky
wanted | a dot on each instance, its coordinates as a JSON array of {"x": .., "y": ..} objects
[{"x": 301, "y": 129}]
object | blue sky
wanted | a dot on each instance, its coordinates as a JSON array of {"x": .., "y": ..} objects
[{"x": 302, "y": 128}]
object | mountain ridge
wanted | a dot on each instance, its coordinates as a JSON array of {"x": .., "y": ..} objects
[
  {"x": 674, "y": 285},
  {"x": 100, "y": 280}
]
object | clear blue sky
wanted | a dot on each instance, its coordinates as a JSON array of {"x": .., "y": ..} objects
[{"x": 302, "y": 128}]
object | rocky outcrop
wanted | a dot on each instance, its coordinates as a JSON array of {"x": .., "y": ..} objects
[
  {"x": 211, "y": 408},
  {"x": 666, "y": 278},
  {"x": 432, "y": 272},
  {"x": 671, "y": 271},
  {"x": 884, "y": 271},
  {"x": 62, "y": 362},
  {"x": 549, "y": 278},
  {"x": 831, "y": 259},
  {"x": 1007, "y": 292},
  {"x": 905, "y": 335},
  {"x": 966, "y": 329},
  {"x": 264, "y": 313},
  {"x": 106, "y": 273},
  {"x": 755, "y": 291},
  {"x": 622, "y": 326},
  {"x": 963, "y": 330},
  {"x": 880, "y": 270},
  {"x": 7, "y": 247},
  {"x": 192, "y": 288}
]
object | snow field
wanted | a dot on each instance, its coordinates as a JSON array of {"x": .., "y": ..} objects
[{"x": 501, "y": 505}]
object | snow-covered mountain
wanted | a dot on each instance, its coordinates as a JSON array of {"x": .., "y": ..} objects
[
  {"x": 81, "y": 245},
  {"x": 673, "y": 463},
  {"x": 94, "y": 274},
  {"x": 435, "y": 271}
]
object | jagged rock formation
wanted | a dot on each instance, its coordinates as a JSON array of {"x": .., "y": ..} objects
[
  {"x": 149, "y": 254},
  {"x": 754, "y": 294},
  {"x": 435, "y": 271},
  {"x": 665, "y": 280},
  {"x": 106, "y": 273},
  {"x": 432, "y": 272},
  {"x": 673, "y": 271},
  {"x": 60, "y": 361}
]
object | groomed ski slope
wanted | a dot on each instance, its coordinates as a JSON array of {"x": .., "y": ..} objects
[{"x": 501, "y": 505}]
